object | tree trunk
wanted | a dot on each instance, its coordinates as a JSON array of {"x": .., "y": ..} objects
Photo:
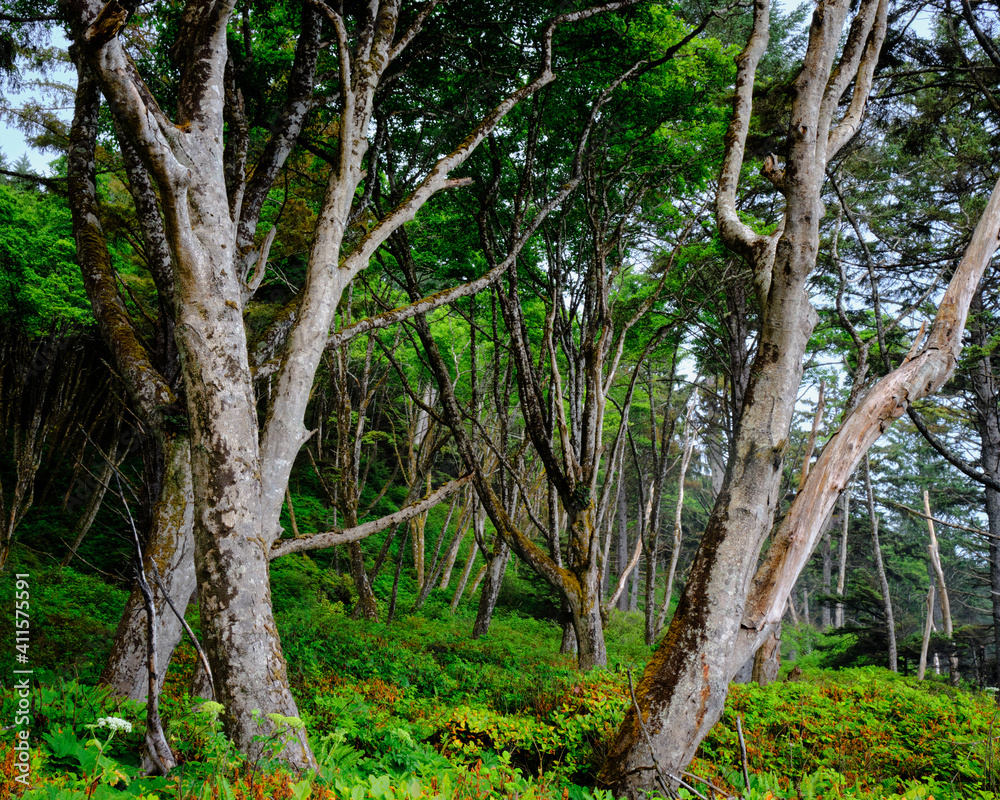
[
  {"x": 170, "y": 547},
  {"x": 417, "y": 526},
  {"x": 650, "y": 606},
  {"x": 688, "y": 451},
  {"x": 942, "y": 593},
  {"x": 461, "y": 529},
  {"x": 473, "y": 551},
  {"x": 987, "y": 405},
  {"x": 366, "y": 607},
  {"x": 715, "y": 629},
  {"x": 890, "y": 621},
  {"x": 495, "y": 568},
  {"x": 589, "y": 627},
  {"x": 928, "y": 627},
  {"x": 568, "y": 644},
  {"x": 633, "y": 591},
  {"x": 621, "y": 548},
  {"x": 826, "y": 620},
  {"x": 842, "y": 562},
  {"x": 767, "y": 660},
  {"x": 993, "y": 514}
]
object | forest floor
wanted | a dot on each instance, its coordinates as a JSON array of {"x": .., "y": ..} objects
[{"x": 417, "y": 709}]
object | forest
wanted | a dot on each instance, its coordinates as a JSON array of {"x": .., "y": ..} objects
[{"x": 558, "y": 399}]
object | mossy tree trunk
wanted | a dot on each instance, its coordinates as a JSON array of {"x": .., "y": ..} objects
[
  {"x": 684, "y": 687},
  {"x": 170, "y": 553},
  {"x": 209, "y": 208}
]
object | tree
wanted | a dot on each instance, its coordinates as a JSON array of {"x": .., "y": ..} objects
[
  {"x": 239, "y": 467},
  {"x": 729, "y": 605},
  {"x": 566, "y": 375}
]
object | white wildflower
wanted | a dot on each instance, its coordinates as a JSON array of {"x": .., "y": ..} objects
[{"x": 115, "y": 723}]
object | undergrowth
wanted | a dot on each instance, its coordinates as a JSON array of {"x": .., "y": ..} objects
[{"x": 417, "y": 709}]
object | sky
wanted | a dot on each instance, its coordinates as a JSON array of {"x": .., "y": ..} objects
[{"x": 12, "y": 142}]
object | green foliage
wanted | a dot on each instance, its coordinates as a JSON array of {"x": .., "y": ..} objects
[
  {"x": 73, "y": 619},
  {"x": 40, "y": 283},
  {"x": 868, "y": 731},
  {"x": 419, "y": 710}
]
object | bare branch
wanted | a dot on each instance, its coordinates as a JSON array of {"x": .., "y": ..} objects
[
  {"x": 851, "y": 120},
  {"x": 331, "y": 538},
  {"x": 735, "y": 233},
  {"x": 947, "y": 454},
  {"x": 410, "y": 34},
  {"x": 798, "y": 532}
]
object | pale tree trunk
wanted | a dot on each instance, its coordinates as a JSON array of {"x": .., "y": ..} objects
[
  {"x": 366, "y": 607},
  {"x": 496, "y": 565},
  {"x": 634, "y": 580},
  {"x": 464, "y": 579},
  {"x": 688, "y": 450},
  {"x": 567, "y": 644},
  {"x": 791, "y": 609},
  {"x": 946, "y": 623},
  {"x": 928, "y": 628},
  {"x": 419, "y": 436},
  {"x": 923, "y": 371},
  {"x": 803, "y": 475},
  {"x": 621, "y": 550},
  {"x": 890, "y": 621},
  {"x": 240, "y": 469},
  {"x": 767, "y": 660},
  {"x": 170, "y": 542},
  {"x": 586, "y": 606},
  {"x": 842, "y": 560},
  {"x": 715, "y": 451},
  {"x": 825, "y": 549},
  {"x": 456, "y": 545},
  {"x": 479, "y": 528},
  {"x": 726, "y": 611},
  {"x": 441, "y": 574},
  {"x": 478, "y": 579},
  {"x": 650, "y": 526}
]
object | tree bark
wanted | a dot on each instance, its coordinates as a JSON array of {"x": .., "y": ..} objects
[
  {"x": 496, "y": 565},
  {"x": 688, "y": 450},
  {"x": 890, "y": 621},
  {"x": 826, "y": 619},
  {"x": 726, "y": 611},
  {"x": 240, "y": 469},
  {"x": 987, "y": 406},
  {"x": 935, "y": 556},
  {"x": 478, "y": 524},
  {"x": 621, "y": 550},
  {"x": 170, "y": 546},
  {"x": 767, "y": 660},
  {"x": 842, "y": 561},
  {"x": 366, "y": 607},
  {"x": 928, "y": 628}
]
